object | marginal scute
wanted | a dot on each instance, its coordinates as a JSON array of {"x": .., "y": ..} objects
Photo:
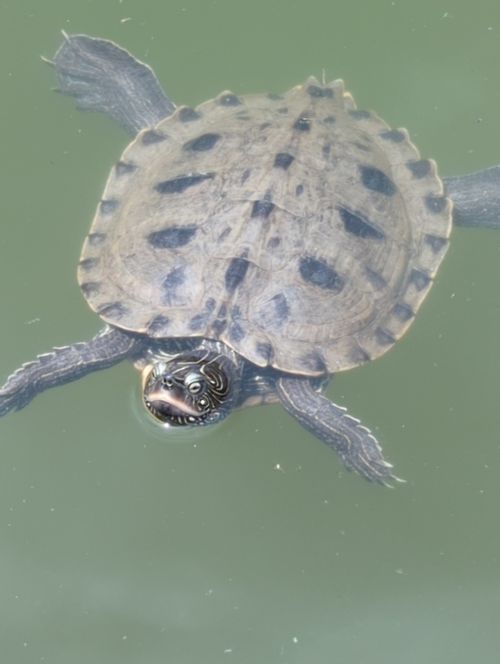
[
  {"x": 420, "y": 168},
  {"x": 87, "y": 264},
  {"x": 357, "y": 114},
  {"x": 124, "y": 168},
  {"x": 157, "y": 324},
  {"x": 228, "y": 99},
  {"x": 108, "y": 206},
  {"x": 316, "y": 91},
  {"x": 394, "y": 135},
  {"x": 403, "y": 312},
  {"x": 300, "y": 231},
  {"x": 96, "y": 239},
  {"x": 187, "y": 114},
  {"x": 113, "y": 310},
  {"x": 90, "y": 287},
  {"x": 436, "y": 203},
  {"x": 419, "y": 279},
  {"x": 150, "y": 137},
  {"x": 436, "y": 242}
]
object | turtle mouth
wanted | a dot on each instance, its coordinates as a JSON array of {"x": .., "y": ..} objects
[{"x": 171, "y": 403}]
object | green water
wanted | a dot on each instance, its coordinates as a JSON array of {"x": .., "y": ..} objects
[{"x": 117, "y": 545}]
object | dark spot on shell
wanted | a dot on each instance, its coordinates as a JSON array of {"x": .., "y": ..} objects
[
  {"x": 359, "y": 355},
  {"x": 419, "y": 279},
  {"x": 319, "y": 273},
  {"x": 281, "y": 307},
  {"x": 198, "y": 321},
  {"x": 96, "y": 239},
  {"x": 330, "y": 119},
  {"x": 435, "y": 203},
  {"x": 124, "y": 167},
  {"x": 419, "y": 168},
  {"x": 228, "y": 99},
  {"x": 174, "y": 278},
  {"x": 219, "y": 326},
  {"x": 222, "y": 313},
  {"x": 283, "y": 160},
  {"x": 157, "y": 323},
  {"x": 262, "y": 208},
  {"x": 316, "y": 91},
  {"x": 384, "y": 337},
  {"x": 107, "y": 207},
  {"x": 265, "y": 350},
  {"x": 435, "y": 242},
  {"x": 302, "y": 124},
  {"x": 245, "y": 175},
  {"x": 172, "y": 237},
  {"x": 377, "y": 280},
  {"x": 90, "y": 287},
  {"x": 325, "y": 150},
  {"x": 113, "y": 310},
  {"x": 273, "y": 242},
  {"x": 236, "y": 332},
  {"x": 394, "y": 135},
  {"x": 358, "y": 225},
  {"x": 182, "y": 182},
  {"x": 283, "y": 110},
  {"x": 88, "y": 263},
  {"x": 314, "y": 361},
  {"x": 403, "y": 312},
  {"x": 151, "y": 136},
  {"x": 299, "y": 190},
  {"x": 235, "y": 273},
  {"x": 224, "y": 234},
  {"x": 374, "y": 179},
  {"x": 265, "y": 125},
  {"x": 362, "y": 146},
  {"x": 359, "y": 115},
  {"x": 202, "y": 143},
  {"x": 188, "y": 114}
]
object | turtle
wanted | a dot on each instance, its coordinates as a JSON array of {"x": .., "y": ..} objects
[{"x": 247, "y": 250}]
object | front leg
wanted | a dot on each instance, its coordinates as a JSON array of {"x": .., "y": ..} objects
[
  {"x": 354, "y": 443},
  {"x": 104, "y": 77},
  {"x": 65, "y": 364}
]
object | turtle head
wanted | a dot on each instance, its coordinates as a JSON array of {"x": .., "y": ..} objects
[{"x": 192, "y": 388}]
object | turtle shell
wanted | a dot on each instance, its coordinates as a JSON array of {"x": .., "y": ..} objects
[{"x": 298, "y": 230}]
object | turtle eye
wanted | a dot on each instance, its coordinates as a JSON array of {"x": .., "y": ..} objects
[
  {"x": 194, "y": 383},
  {"x": 195, "y": 388}
]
